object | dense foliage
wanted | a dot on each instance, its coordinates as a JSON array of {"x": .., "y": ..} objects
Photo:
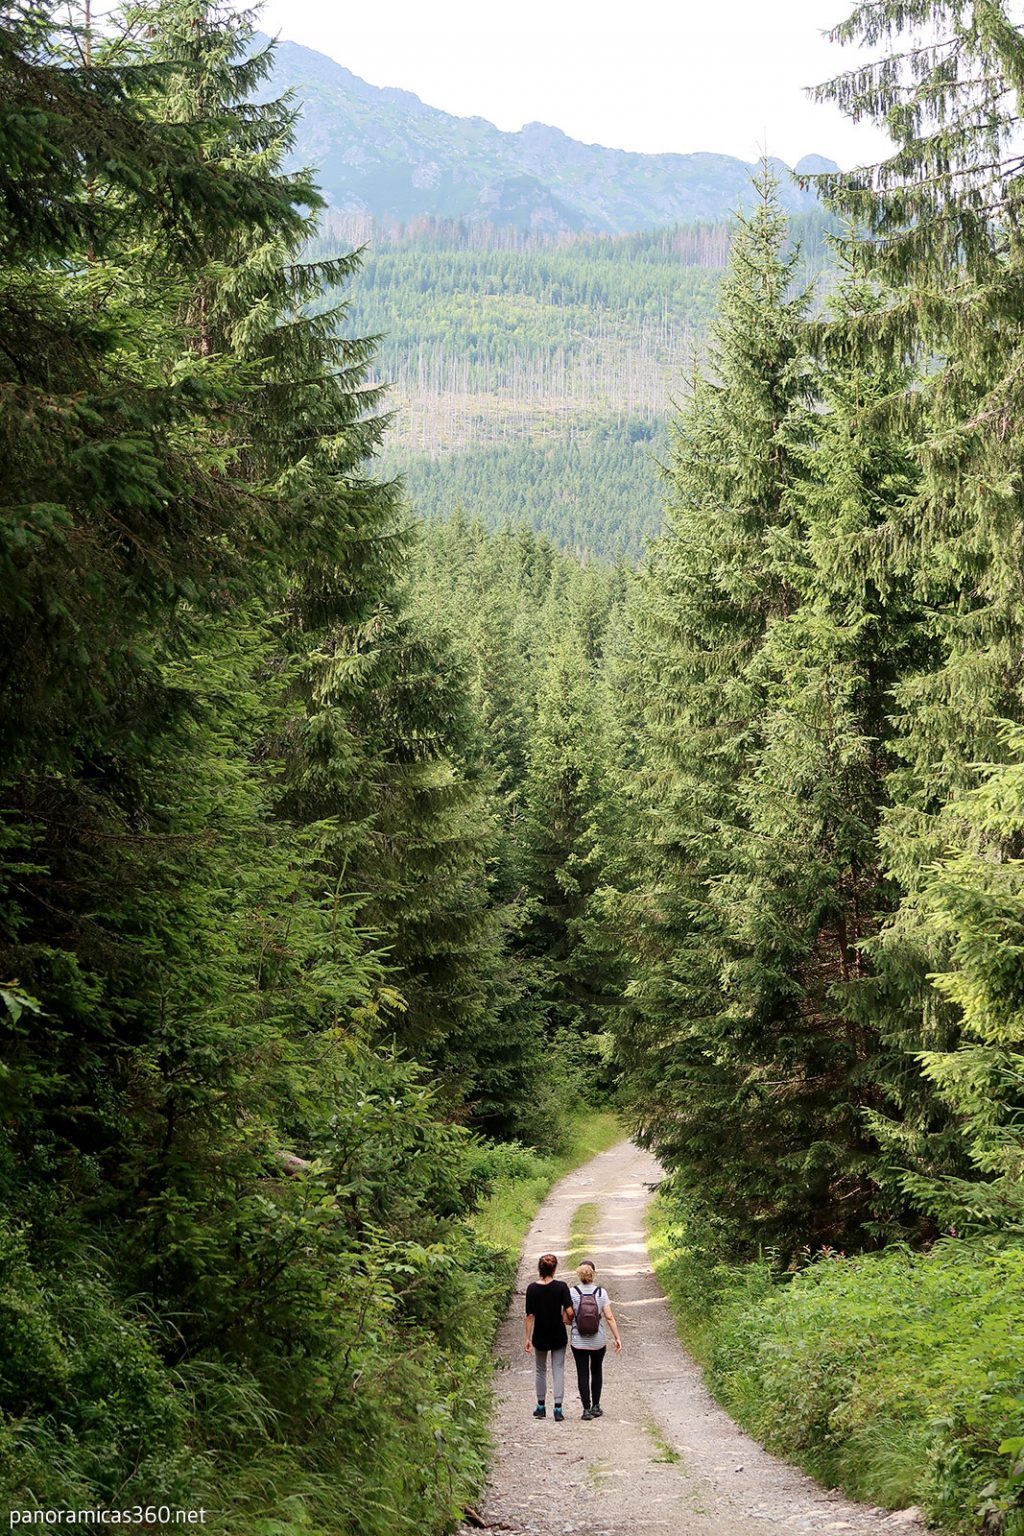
[
  {"x": 826, "y": 666},
  {"x": 896, "y": 1376},
  {"x": 264, "y": 975},
  {"x": 821, "y": 1033},
  {"x": 593, "y": 487}
]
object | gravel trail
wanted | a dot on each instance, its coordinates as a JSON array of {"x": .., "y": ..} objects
[{"x": 664, "y": 1458}]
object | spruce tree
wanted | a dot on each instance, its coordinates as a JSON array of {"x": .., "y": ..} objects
[
  {"x": 942, "y": 218},
  {"x": 531, "y": 623},
  {"x": 127, "y": 534},
  {"x": 210, "y": 1174},
  {"x": 701, "y": 1009},
  {"x": 378, "y": 754},
  {"x": 568, "y": 806},
  {"x": 411, "y": 835},
  {"x": 812, "y": 891},
  {"x": 941, "y": 229},
  {"x": 970, "y": 910}
]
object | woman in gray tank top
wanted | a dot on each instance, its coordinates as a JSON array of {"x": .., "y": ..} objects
[{"x": 588, "y": 1349}]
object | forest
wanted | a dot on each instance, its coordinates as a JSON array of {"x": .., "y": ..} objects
[
  {"x": 348, "y": 858},
  {"x": 592, "y": 486},
  {"x": 533, "y": 377}
]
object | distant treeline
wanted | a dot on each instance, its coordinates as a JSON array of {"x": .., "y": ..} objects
[{"x": 702, "y": 243}]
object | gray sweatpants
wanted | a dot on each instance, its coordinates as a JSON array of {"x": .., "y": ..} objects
[{"x": 557, "y": 1372}]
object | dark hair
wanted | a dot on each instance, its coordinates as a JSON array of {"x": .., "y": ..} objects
[{"x": 547, "y": 1264}]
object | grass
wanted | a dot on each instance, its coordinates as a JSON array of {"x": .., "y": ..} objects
[
  {"x": 667, "y": 1452},
  {"x": 897, "y": 1376},
  {"x": 504, "y": 1216},
  {"x": 581, "y": 1233}
]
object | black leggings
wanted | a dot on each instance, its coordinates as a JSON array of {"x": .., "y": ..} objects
[{"x": 589, "y": 1374}]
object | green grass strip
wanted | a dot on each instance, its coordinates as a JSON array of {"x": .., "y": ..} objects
[
  {"x": 582, "y": 1230},
  {"x": 504, "y": 1217}
]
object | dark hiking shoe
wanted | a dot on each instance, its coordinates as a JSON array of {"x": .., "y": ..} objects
[
  {"x": 540, "y": 1412},
  {"x": 596, "y": 1412},
  {"x": 559, "y": 1415},
  {"x": 586, "y": 1414}
]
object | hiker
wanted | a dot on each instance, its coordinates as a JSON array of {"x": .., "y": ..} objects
[
  {"x": 548, "y": 1309},
  {"x": 592, "y": 1308}
]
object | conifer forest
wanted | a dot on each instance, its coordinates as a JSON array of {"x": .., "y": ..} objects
[{"x": 360, "y": 836}]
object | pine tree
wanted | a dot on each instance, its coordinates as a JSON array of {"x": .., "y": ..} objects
[
  {"x": 942, "y": 220},
  {"x": 411, "y": 835},
  {"x": 810, "y": 891},
  {"x": 198, "y": 1115},
  {"x": 569, "y": 809},
  {"x": 970, "y": 910},
  {"x": 701, "y": 1008},
  {"x": 380, "y": 757},
  {"x": 532, "y": 622},
  {"x": 127, "y": 533}
]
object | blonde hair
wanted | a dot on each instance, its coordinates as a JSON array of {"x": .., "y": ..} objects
[{"x": 586, "y": 1273}]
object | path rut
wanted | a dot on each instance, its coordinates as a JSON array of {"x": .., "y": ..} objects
[{"x": 665, "y": 1457}]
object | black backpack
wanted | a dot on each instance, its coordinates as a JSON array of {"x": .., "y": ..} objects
[{"x": 588, "y": 1313}]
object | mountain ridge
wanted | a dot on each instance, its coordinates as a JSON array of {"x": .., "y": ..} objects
[{"x": 383, "y": 152}]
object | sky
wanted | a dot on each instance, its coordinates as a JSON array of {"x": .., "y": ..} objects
[{"x": 652, "y": 75}]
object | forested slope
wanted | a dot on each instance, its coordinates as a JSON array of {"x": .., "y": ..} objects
[
  {"x": 532, "y": 378},
  {"x": 822, "y": 1030}
]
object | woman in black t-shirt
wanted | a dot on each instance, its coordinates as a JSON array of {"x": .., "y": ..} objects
[{"x": 548, "y": 1309}]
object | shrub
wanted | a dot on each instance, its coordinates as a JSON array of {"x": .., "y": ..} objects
[{"x": 898, "y": 1375}]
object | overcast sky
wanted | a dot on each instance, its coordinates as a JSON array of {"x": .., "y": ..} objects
[{"x": 651, "y": 75}]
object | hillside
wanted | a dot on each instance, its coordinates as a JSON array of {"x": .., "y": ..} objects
[
  {"x": 533, "y": 380},
  {"x": 385, "y": 153},
  {"x": 365, "y": 875}
]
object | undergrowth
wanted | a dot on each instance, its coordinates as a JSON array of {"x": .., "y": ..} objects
[
  {"x": 897, "y": 1376},
  {"x": 379, "y": 1429}
]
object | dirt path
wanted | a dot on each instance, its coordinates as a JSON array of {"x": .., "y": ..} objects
[{"x": 664, "y": 1458}]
